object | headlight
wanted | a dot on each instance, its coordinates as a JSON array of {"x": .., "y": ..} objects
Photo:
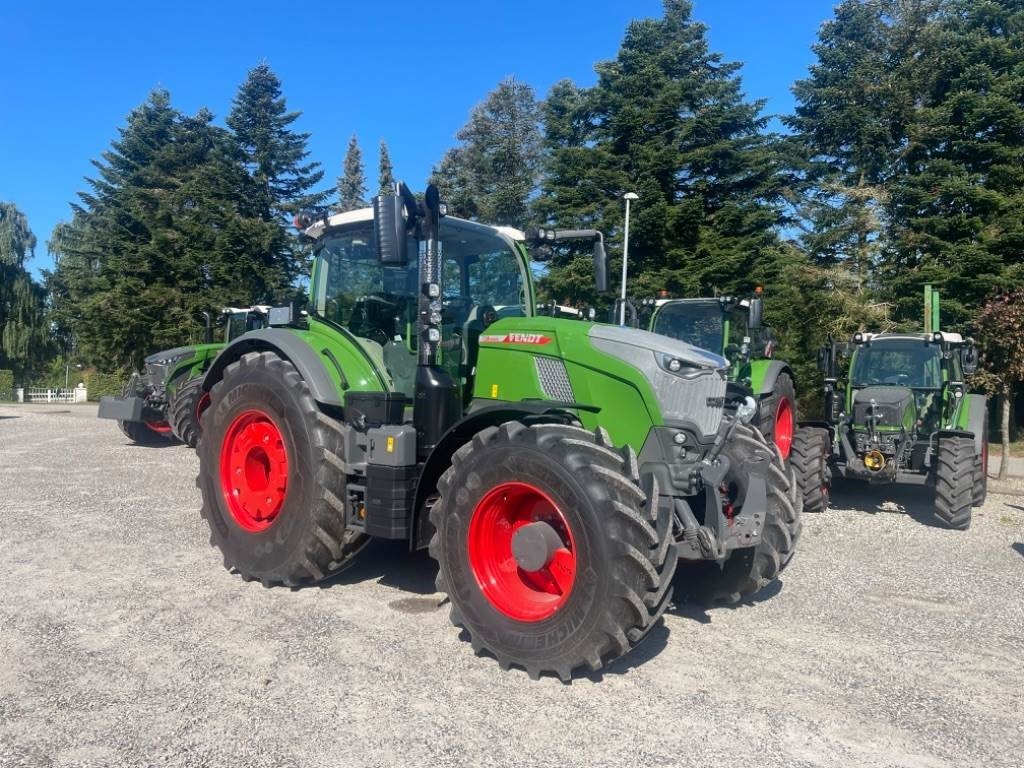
[
  {"x": 746, "y": 410},
  {"x": 673, "y": 364}
]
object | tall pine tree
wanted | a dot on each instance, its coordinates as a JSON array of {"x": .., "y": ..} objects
[
  {"x": 493, "y": 172},
  {"x": 956, "y": 208},
  {"x": 667, "y": 120},
  {"x": 352, "y": 182},
  {"x": 171, "y": 226},
  {"x": 386, "y": 173}
]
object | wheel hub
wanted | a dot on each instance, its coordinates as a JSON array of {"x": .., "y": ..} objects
[
  {"x": 534, "y": 544},
  {"x": 522, "y": 552},
  {"x": 254, "y": 470}
]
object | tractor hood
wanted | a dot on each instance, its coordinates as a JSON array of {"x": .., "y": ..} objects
[
  {"x": 168, "y": 356},
  {"x": 893, "y": 408},
  {"x": 608, "y": 337}
]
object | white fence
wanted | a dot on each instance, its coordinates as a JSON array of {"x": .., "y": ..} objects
[{"x": 41, "y": 395}]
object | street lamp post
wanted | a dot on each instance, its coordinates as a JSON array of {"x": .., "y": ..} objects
[{"x": 628, "y": 197}]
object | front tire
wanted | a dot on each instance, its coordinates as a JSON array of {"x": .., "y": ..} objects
[
  {"x": 810, "y": 460},
  {"x": 186, "y": 409},
  {"x": 954, "y": 482},
  {"x": 748, "y": 570},
  {"x": 270, "y": 471},
  {"x": 604, "y": 579}
]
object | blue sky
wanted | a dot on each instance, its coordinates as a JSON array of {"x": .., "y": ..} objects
[{"x": 408, "y": 72}]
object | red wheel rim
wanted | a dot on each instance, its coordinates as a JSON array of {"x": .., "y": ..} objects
[
  {"x": 784, "y": 427},
  {"x": 517, "y": 593},
  {"x": 159, "y": 426},
  {"x": 253, "y": 470}
]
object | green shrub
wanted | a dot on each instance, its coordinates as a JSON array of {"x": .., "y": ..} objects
[
  {"x": 6, "y": 385},
  {"x": 101, "y": 384}
]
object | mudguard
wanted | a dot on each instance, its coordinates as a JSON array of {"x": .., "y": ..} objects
[
  {"x": 295, "y": 350},
  {"x": 977, "y": 405},
  {"x": 493, "y": 414},
  {"x": 764, "y": 373}
]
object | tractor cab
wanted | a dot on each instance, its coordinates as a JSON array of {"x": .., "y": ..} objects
[
  {"x": 484, "y": 279},
  {"x": 728, "y": 326}
]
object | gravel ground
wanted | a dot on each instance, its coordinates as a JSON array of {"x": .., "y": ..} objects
[{"x": 889, "y": 641}]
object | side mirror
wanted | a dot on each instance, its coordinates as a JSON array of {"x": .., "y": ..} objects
[
  {"x": 823, "y": 360},
  {"x": 969, "y": 359},
  {"x": 600, "y": 266},
  {"x": 390, "y": 227},
  {"x": 755, "y": 313}
]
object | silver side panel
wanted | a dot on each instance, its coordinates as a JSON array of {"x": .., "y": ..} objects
[
  {"x": 554, "y": 381},
  {"x": 695, "y": 396}
]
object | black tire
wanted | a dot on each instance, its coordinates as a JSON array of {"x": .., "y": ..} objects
[
  {"x": 623, "y": 547},
  {"x": 954, "y": 482},
  {"x": 141, "y": 433},
  {"x": 980, "y": 491},
  {"x": 747, "y": 571},
  {"x": 308, "y": 539},
  {"x": 810, "y": 460},
  {"x": 184, "y": 411},
  {"x": 768, "y": 408}
]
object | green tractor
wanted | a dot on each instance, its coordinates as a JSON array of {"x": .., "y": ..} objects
[
  {"x": 164, "y": 400},
  {"x": 733, "y": 328},
  {"x": 904, "y": 414},
  {"x": 556, "y": 469}
]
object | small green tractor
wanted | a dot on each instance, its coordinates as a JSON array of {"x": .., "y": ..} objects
[
  {"x": 164, "y": 400},
  {"x": 557, "y": 469},
  {"x": 903, "y": 414}
]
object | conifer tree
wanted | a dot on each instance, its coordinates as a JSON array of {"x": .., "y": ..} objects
[
  {"x": 667, "y": 119},
  {"x": 352, "y": 182},
  {"x": 386, "y": 175},
  {"x": 493, "y": 172}
]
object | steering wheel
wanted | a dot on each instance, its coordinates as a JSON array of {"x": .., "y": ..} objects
[{"x": 377, "y": 334}]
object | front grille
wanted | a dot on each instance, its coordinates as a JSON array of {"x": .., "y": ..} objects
[
  {"x": 553, "y": 378},
  {"x": 697, "y": 397}
]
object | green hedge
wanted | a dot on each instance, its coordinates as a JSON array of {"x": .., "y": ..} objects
[
  {"x": 101, "y": 384},
  {"x": 6, "y": 385}
]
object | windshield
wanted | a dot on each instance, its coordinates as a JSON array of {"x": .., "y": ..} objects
[
  {"x": 480, "y": 272},
  {"x": 699, "y": 323},
  {"x": 906, "y": 363},
  {"x": 482, "y": 281}
]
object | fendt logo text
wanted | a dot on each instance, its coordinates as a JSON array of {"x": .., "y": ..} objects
[{"x": 516, "y": 338}]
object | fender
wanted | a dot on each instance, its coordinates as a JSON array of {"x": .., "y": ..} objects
[
  {"x": 310, "y": 365},
  {"x": 769, "y": 374},
  {"x": 461, "y": 433},
  {"x": 977, "y": 407}
]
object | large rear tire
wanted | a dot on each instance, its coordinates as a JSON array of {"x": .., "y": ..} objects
[
  {"x": 777, "y": 414},
  {"x": 272, "y": 477},
  {"x": 810, "y": 461},
  {"x": 954, "y": 482},
  {"x": 604, "y": 578},
  {"x": 187, "y": 407},
  {"x": 747, "y": 571}
]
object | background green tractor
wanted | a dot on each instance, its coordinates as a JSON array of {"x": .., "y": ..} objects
[
  {"x": 903, "y": 414},
  {"x": 164, "y": 400},
  {"x": 556, "y": 469},
  {"x": 733, "y": 328}
]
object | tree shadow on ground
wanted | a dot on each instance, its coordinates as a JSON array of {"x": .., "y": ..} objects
[
  {"x": 1018, "y": 547},
  {"x": 9, "y": 417},
  {"x": 916, "y": 501}
]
